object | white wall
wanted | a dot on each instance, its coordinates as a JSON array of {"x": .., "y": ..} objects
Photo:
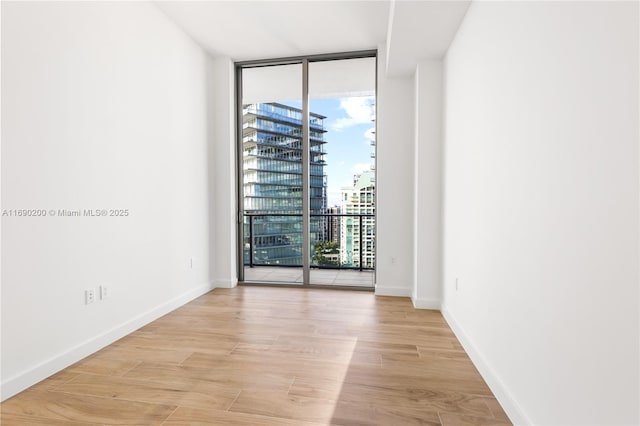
[
  {"x": 104, "y": 107},
  {"x": 394, "y": 180},
  {"x": 427, "y": 215},
  {"x": 223, "y": 203},
  {"x": 541, "y": 206}
]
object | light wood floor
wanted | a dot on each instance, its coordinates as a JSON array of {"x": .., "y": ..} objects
[{"x": 272, "y": 356}]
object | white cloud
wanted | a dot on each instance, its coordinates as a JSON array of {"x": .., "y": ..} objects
[
  {"x": 359, "y": 110},
  {"x": 358, "y": 168},
  {"x": 370, "y": 135}
]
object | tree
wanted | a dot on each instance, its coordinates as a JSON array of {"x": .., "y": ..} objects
[{"x": 322, "y": 249}]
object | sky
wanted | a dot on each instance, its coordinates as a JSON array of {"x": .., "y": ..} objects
[{"x": 350, "y": 130}]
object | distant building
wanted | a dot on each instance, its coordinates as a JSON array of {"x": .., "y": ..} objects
[
  {"x": 356, "y": 236},
  {"x": 272, "y": 180},
  {"x": 333, "y": 225}
]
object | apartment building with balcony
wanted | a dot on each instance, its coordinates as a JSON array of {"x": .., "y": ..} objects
[
  {"x": 357, "y": 233},
  {"x": 272, "y": 182}
]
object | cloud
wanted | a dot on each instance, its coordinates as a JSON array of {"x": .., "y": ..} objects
[
  {"x": 358, "y": 168},
  {"x": 370, "y": 135},
  {"x": 359, "y": 110}
]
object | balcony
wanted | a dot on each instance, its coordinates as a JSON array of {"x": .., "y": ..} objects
[
  {"x": 283, "y": 115},
  {"x": 338, "y": 278},
  {"x": 342, "y": 248}
]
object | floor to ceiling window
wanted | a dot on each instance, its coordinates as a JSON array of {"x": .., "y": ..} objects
[{"x": 306, "y": 165}]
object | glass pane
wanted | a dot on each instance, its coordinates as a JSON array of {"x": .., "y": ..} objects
[
  {"x": 342, "y": 103},
  {"x": 272, "y": 173}
]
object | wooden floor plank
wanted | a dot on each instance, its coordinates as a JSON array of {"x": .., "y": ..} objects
[
  {"x": 415, "y": 398},
  {"x": 185, "y": 393},
  {"x": 267, "y": 356},
  {"x": 137, "y": 353},
  {"x": 235, "y": 377},
  {"x": 9, "y": 419},
  {"x": 96, "y": 364},
  {"x": 496, "y": 409},
  {"x": 59, "y": 406},
  {"x": 282, "y": 405},
  {"x": 205, "y": 417},
  {"x": 347, "y": 414},
  {"x": 451, "y": 419},
  {"x": 57, "y": 379}
]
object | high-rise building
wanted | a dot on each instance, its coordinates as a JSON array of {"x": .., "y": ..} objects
[
  {"x": 272, "y": 179},
  {"x": 333, "y": 225},
  {"x": 357, "y": 234}
]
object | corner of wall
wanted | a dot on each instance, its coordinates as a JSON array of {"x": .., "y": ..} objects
[
  {"x": 416, "y": 167},
  {"x": 501, "y": 392},
  {"x": 223, "y": 173},
  {"x": 394, "y": 183},
  {"x": 25, "y": 379},
  {"x": 427, "y": 191},
  {"x": 423, "y": 303},
  {"x": 226, "y": 283},
  {"x": 392, "y": 291},
  {"x": 392, "y": 9}
]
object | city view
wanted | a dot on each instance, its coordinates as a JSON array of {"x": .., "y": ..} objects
[{"x": 341, "y": 184}]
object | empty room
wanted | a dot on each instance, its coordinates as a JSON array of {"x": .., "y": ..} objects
[{"x": 313, "y": 213}]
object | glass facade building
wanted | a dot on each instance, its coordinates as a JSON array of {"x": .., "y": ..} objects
[{"x": 272, "y": 182}]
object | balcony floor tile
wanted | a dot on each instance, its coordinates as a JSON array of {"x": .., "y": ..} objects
[{"x": 337, "y": 277}]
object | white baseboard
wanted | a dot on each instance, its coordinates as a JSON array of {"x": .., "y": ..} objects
[
  {"x": 24, "y": 380},
  {"x": 502, "y": 394},
  {"x": 226, "y": 283},
  {"x": 426, "y": 303},
  {"x": 392, "y": 291}
]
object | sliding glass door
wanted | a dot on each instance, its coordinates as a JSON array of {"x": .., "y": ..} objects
[
  {"x": 272, "y": 174},
  {"x": 343, "y": 248},
  {"x": 307, "y": 171}
]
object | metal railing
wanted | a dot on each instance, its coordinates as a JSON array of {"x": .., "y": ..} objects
[{"x": 253, "y": 219}]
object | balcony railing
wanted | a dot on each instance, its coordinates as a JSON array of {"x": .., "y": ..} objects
[{"x": 275, "y": 239}]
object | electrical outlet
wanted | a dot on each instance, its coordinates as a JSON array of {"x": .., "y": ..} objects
[
  {"x": 89, "y": 296},
  {"x": 104, "y": 292},
  {"x": 393, "y": 260}
]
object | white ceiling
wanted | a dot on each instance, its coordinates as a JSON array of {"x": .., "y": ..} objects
[
  {"x": 248, "y": 30},
  {"x": 421, "y": 30}
]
